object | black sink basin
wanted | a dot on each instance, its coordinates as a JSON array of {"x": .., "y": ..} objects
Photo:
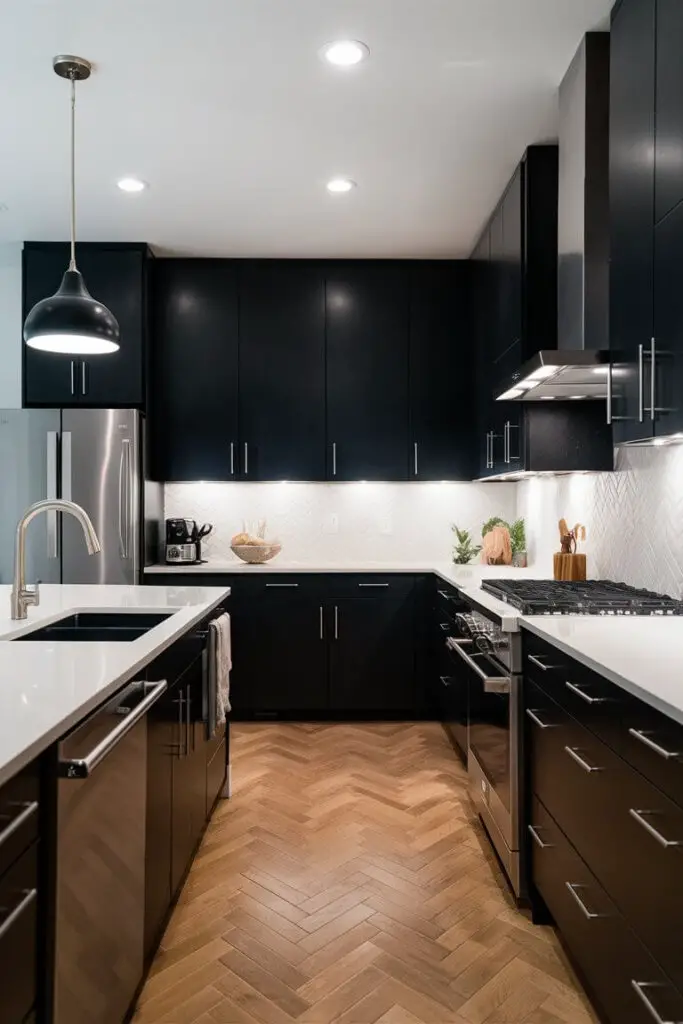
[{"x": 93, "y": 626}]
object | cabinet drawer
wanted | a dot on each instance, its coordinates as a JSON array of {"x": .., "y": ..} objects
[
  {"x": 607, "y": 951},
  {"x": 653, "y": 743},
  {"x": 370, "y": 585},
  {"x": 18, "y": 814},
  {"x": 448, "y": 600},
  {"x": 18, "y": 937},
  {"x": 587, "y": 696}
]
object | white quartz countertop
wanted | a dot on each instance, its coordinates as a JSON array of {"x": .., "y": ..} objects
[{"x": 46, "y": 687}]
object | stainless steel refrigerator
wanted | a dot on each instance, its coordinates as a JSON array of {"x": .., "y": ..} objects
[{"x": 97, "y": 458}]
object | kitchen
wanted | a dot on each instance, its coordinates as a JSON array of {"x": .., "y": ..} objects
[{"x": 444, "y": 789}]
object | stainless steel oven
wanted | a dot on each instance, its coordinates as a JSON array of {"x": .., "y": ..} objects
[{"x": 490, "y": 664}]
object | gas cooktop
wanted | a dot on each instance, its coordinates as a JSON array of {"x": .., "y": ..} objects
[{"x": 589, "y": 597}]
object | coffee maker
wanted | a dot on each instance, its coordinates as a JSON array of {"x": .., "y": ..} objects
[{"x": 184, "y": 541}]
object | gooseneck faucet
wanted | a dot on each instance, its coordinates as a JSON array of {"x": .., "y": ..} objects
[{"x": 22, "y": 597}]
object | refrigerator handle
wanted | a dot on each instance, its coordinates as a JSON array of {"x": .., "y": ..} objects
[
  {"x": 123, "y": 501},
  {"x": 51, "y": 492},
  {"x": 66, "y": 465},
  {"x": 130, "y": 496}
]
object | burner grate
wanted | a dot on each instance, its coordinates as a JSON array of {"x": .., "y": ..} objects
[{"x": 586, "y": 597}]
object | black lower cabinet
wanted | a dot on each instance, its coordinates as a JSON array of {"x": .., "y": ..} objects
[
  {"x": 372, "y": 654},
  {"x": 19, "y": 938},
  {"x": 188, "y": 814}
]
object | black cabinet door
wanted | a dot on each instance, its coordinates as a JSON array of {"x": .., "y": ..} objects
[
  {"x": 19, "y": 938},
  {"x": 511, "y": 271},
  {"x": 279, "y": 653},
  {"x": 667, "y": 394},
  {"x": 631, "y": 184},
  {"x": 372, "y": 653},
  {"x": 367, "y": 371},
  {"x": 669, "y": 107},
  {"x": 498, "y": 335},
  {"x": 442, "y": 401},
  {"x": 118, "y": 278},
  {"x": 189, "y": 772},
  {"x": 195, "y": 370},
  {"x": 160, "y": 754},
  {"x": 282, "y": 370}
]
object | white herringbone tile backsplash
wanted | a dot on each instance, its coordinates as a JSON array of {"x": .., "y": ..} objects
[{"x": 633, "y": 517}]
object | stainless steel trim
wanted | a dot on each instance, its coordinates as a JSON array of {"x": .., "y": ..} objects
[
  {"x": 492, "y": 684},
  {"x": 643, "y": 737},
  {"x": 336, "y": 622},
  {"x": 415, "y": 456},
  {"x": 334, "y": 458},
  {"x": 573, "y": 886},
  {"x": 638, "y": 816},
  {"x": 501, "y": 823},
  {"x": 14, "y": 915},
  {"x": 84, "y": 389},
  {"x": 73, "y": 376},
  {"x": 641, "y": 383},
  {"x": 373, "y": 584},
  {"x": 446, "y": 680},
  {"x": 51, "y": 493},
  {"x": 232, "y": 458},
  {"x": 322, "y": 623},
  {"x": 246, "y": 459},
  {"x": 653, "y": 386},
  {"x": 536, "y": 661},
  {"x": 537, "y": 839},
  {"x": 573, "y": 753},
  {"x": 81, "y": 768},
  {"x": 541, "y": 725},
  {"x": 584, "y": 696},
  {"x": 66, "y": 465},
  {"x": 638, "y": 986},
  {"x": 280, "y": 586},
  {"x": 29, "y": 809}
]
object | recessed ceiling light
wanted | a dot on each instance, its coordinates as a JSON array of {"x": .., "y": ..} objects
[
  {"x": 131, "y": 185},
  {"x": 345, "y": 53},
  {"x": 338, "y": 185}
]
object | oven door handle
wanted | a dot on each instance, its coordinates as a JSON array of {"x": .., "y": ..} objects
[{"x": 492, "y": 684}]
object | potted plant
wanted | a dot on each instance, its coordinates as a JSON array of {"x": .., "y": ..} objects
[
  {"x": 518, "y": 542},
  {"x": 464, "y": 550}
]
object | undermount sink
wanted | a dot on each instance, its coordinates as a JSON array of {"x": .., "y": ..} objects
[{"x": 98, "y": 626}]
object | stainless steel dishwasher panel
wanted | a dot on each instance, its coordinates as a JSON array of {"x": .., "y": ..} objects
[{"x": 101, "y": 861}]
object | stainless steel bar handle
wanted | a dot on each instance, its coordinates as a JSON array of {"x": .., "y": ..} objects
[
  {"x": 322, "y": 623},
  {"x": 506, "y": 443},
  {"x": 14, "y": 915},
  {"x": 122, "y": 543},
  {"x": 336, "y": 622},
  {"x": 639, "y": 987},
  {"x": 373, "y": 585},
  {"x": 73, "y": 376},
  {"x": 574, "y": 754},
  {"x": 641, "y": 383},
  {"x": 489, "y": 450},
  {"x": 334, "y": 458},
  {"x": 28, "y": 810},
  {"x": 537, "y": 839},
  {"x": 573, "y": 886},
  {"x": 81, "y": 768},
  {"x": 246, "y": 459},
  {"x": 653, "y": 383},
  {"x": 232, "y": 458},
  {"x": 637, "y": 815},
  {"x": 583, "y": 695},
  {"x": 415, "y": 457},
  {"x": 492, "y": 684},
  {"x": 281, "y": 586},
  {"x": 182, "y": 751},
  {"x": 642, "y": 736},
  {"x": 533, "y": 715},
  {"x": 51, "y": 492},
  {"x": 84, "y": 389},
  {"x": 537, "y": 661},
  {"x": 609, "y": 395},
  {"x": 188, "y": 717},
  {"x": 66, "y": 465},
  {"x": 128, "y": 503}
]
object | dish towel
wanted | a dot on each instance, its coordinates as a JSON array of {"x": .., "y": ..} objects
[{"x": 220, "y": 652}]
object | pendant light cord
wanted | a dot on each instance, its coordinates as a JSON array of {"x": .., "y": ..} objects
[{"x": 72, "y": 261}]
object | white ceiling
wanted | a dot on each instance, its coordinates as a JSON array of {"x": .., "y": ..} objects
[{"x": 227, "y": 110}]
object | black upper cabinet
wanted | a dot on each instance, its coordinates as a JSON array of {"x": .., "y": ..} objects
[
  {"x": 669, "y": 107},
  {"x": 510, "y": 323},
  {"x": 282, "y": 370},
  {"x": 442, "y": 403},
  {"x": 668, "y": 370},
  {"x": 367, "y": 371},
  {"x": 117, "y": 276},
  {"x": 632, "y": 187},
  {"x": 195, "y": 370}
]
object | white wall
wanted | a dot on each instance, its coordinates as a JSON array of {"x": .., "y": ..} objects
[
  {"x": 10, "y": 325},
  {"x": 376, "y": 521}
]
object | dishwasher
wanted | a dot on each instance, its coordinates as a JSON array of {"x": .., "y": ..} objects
[{"x": 101, "y": 806}]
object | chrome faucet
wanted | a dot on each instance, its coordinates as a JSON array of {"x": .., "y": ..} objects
[{"x": 22, "y": 597}]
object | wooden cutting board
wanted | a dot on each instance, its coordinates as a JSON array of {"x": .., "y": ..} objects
[{"x": 569, "y": 567}]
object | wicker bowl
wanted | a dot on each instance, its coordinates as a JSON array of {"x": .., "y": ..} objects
[{"x": 256, "y": 554}]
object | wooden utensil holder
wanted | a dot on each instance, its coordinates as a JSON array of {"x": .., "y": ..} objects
[{"x": 569, "y": 567}]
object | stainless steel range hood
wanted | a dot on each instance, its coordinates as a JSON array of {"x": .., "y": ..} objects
[{"x": 577, "y": 368}]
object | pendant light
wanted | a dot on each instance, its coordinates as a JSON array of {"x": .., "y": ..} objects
[{"x": 71, "y": 321}]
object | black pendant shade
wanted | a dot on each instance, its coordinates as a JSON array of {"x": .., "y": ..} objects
[{"x": 71, "y": 321}]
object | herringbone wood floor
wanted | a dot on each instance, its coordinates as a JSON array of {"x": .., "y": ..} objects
[{"x": 348, "y": 881}]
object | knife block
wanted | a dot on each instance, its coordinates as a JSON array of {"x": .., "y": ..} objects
[{"x": 569, "y": 567}]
